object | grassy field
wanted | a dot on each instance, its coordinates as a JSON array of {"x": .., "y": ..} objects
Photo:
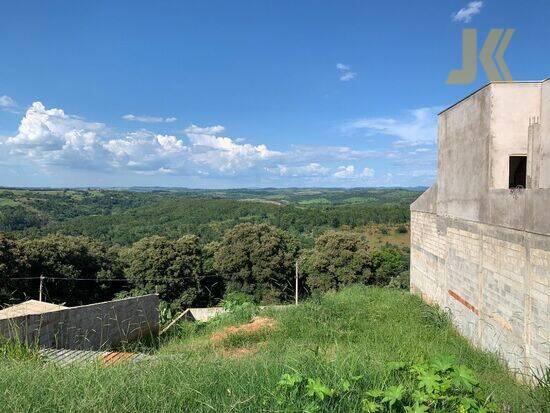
[{"x": 333, "y": 349}]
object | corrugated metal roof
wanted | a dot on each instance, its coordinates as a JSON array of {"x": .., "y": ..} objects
[
  {"x": 29, "y": 307},
  {"x": 64, "y": 357}
]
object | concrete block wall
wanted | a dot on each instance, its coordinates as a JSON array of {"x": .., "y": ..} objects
[
  {"x": 88, "y": 327},
  {"x": 494, "y": 280}
]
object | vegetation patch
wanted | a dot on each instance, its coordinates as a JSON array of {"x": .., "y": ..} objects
[{"x": 360, "y": 349}]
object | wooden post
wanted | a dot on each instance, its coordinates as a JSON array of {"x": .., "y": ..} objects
[
  {"x": 40, "y": 288},
  {"x": 296, "y": 286},
  {"x": 174, "y": 321}
]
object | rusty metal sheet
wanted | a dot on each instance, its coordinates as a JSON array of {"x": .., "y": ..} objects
[{"x": 64, "y": 357}]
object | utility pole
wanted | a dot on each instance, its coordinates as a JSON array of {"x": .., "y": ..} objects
[
  {"x": 40, "y": 288},
  {"x": 296, "y": 286}
]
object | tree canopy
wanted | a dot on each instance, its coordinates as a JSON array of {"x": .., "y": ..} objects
[
  {"x": 257, "y": 259},
  {"x": 338, "y": 258},
  {"x": 173, "y": 269}
]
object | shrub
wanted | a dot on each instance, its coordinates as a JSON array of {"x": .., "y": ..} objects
[{"x": 388, "y": 263}]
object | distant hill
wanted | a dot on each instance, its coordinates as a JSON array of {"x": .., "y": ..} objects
[{"x": 124, "y": 216}]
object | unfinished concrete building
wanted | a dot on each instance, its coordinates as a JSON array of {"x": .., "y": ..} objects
[{"x": 480, "y": 236}]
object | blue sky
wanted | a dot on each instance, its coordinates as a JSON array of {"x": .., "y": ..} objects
[{"x": 240, "y": 93}]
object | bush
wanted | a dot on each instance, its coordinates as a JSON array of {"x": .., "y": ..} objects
[
  {"x": 388, "y": 263},
  {"x": 402, "y": 281},
  {"x": 402, "y": 229}
]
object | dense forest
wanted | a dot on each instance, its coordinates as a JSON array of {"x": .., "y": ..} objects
[{"x": 193, "y": 247}]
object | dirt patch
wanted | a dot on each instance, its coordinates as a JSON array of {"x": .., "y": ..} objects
[
  {"x": 257, "y": 325},
  {"x": 240, "y": 352}
]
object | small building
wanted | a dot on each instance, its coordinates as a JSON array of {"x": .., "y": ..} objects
[{"x": 480, "y": 236}]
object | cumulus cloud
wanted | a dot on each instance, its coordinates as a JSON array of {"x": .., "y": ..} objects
[
  {"x": 222, "y": 153},
  {"x": 465, "y": 14},
  {"x": 146, "y": 152},
  {"x": 367, "y": 172},
  {"x": 345, "y": 74},
  {"x": 418, "y": 127},
  {"x": 349, "y": 172},
  {"x": 50, "y": 137},
  {"x": 148, "y": 119},
  {"x": 345, "y": 172}
]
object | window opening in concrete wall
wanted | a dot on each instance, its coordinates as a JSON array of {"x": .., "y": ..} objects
[{"x": 518, "y": 171}]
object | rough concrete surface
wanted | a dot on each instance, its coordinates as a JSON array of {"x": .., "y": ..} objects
[
  {"x": 89, "y": 327},
  {"x": 478, "y": 248}
]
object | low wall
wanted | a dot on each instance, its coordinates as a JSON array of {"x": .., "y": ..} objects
[
  {"x": 88, "y": 327},
  {"x": 205, "y": 314},
  {"x": 494, "y": 280}
]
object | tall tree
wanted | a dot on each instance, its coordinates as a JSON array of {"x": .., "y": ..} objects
[
  {"x": 172, "y": 268},
  {"x": 63, "y": 259},
  {"x": 338, "y": 258},
  {"x": 257, "y": 259},
  {"x": 13, "y": 264}
]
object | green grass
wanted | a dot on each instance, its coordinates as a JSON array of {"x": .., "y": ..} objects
[{"x": 355, "y": 332}]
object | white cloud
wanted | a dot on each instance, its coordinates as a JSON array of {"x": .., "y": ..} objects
[
  {"x": 209, "y": 130},
  {"x": 345, "y": 172},
  {"x": 349, "y": 172},
  {"x": 144, "y": 151},
  {"x": 345, "y": 73},
  {"x": 305, "y": 153},
  {"x": 7, "y": 102},
  {"x": 52, "y": 139},
  {"x": 148, "y": 119},
  {"x": 309, "y": 170},
  {"x": 417, "y": 128},
  {"x": 367, "y": 173},
  {"x": 465, "y": 14},
  {"x": 222, "y": 153}
]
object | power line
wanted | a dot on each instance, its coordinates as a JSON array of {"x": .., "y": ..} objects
[
  {"x": 100, "y": 279},
  {"x": 78, "y": 279}
]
